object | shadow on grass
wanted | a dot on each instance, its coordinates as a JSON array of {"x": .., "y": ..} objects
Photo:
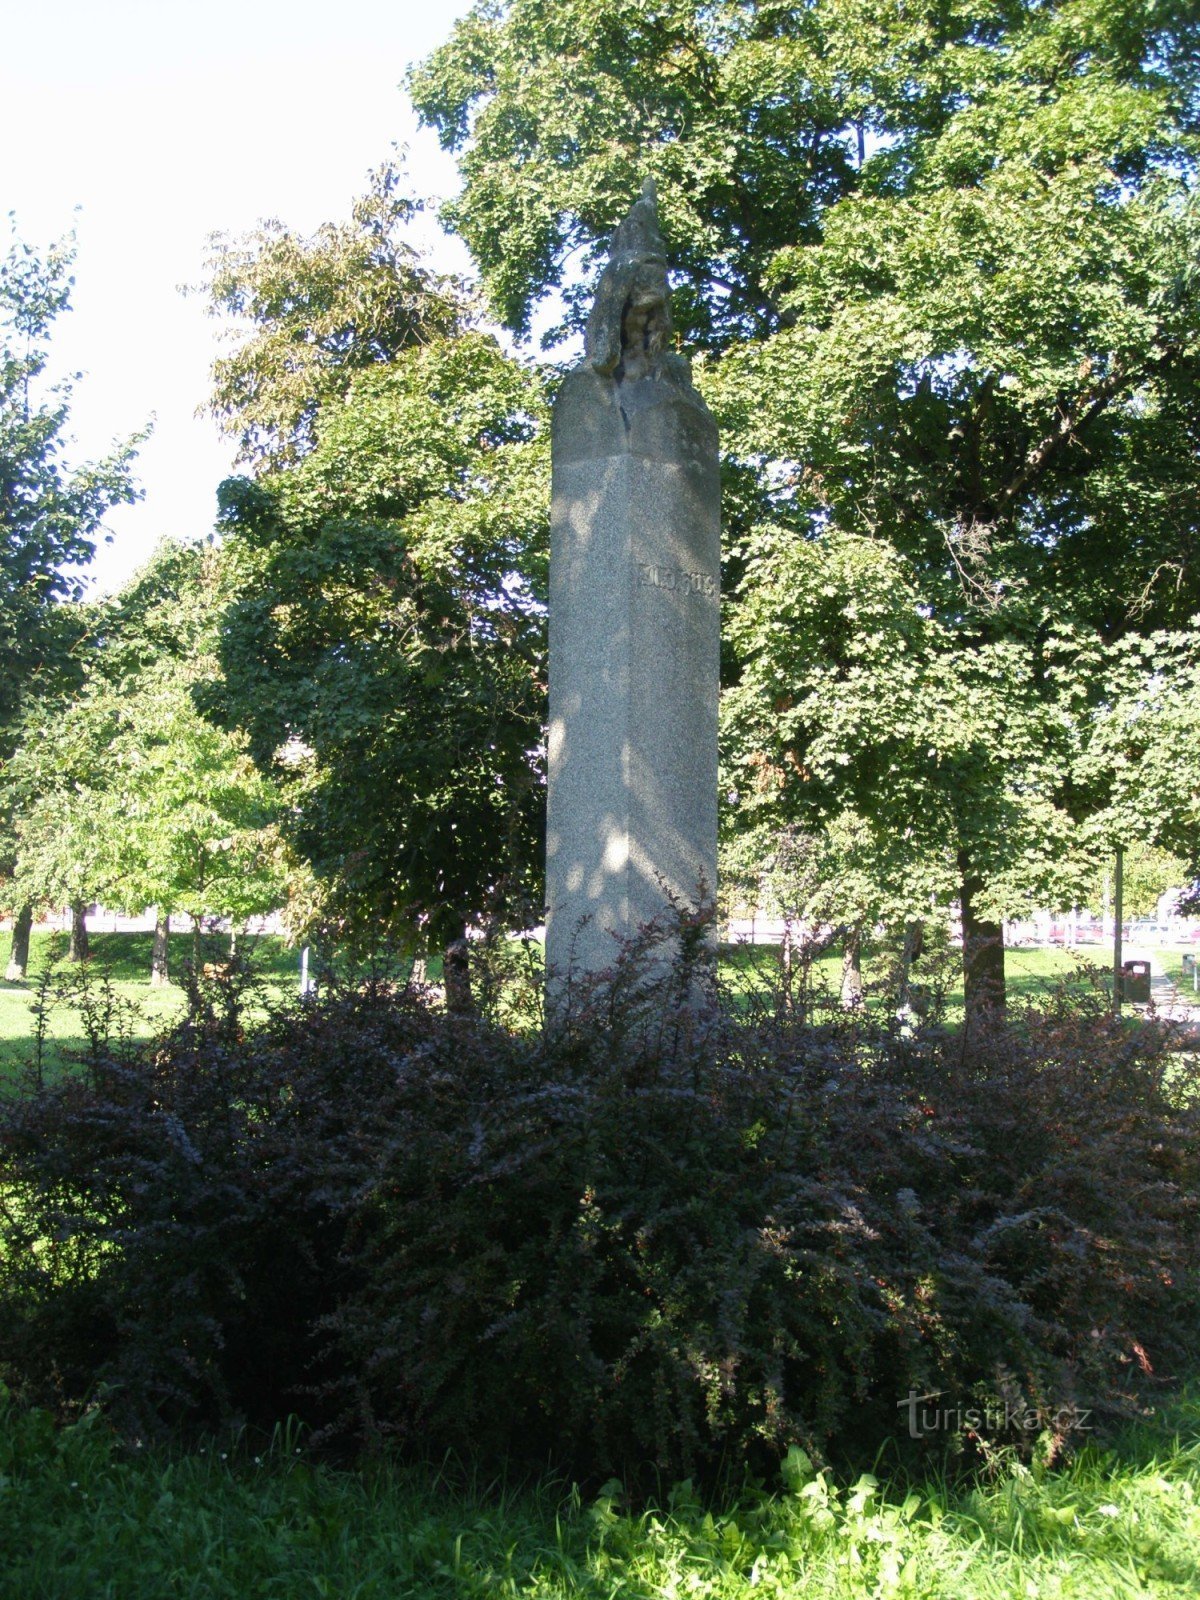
[{"x": 126, "y": 956}]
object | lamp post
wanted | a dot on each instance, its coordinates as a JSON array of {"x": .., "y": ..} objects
[{"x": 1118, "y": 918}]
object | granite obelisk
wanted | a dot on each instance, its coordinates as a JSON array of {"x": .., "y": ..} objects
[{"x": 634, "y": 622}]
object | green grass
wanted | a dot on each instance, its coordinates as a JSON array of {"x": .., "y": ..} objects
[
  {"x": 81, "y": 1518},
  {"x": 1030, "y": 971},
  {"x": 1172, "y": 961},
  {"x": 125, "y": 957}
]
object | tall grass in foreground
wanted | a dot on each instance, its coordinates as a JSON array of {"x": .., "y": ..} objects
[{"x": 81, "y": 1516}]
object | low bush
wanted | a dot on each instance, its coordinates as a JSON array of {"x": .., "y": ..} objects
[{"x": 656, "y": 1233}]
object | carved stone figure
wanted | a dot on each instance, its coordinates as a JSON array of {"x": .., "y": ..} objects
[
  {"x": 634, "y": 621},
  {"x": 629, "y": 329}
]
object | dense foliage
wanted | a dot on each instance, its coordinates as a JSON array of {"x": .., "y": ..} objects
[
  {"x": 50, "y": 518},
  {"x": 307, "y": 313},
  {"x": 50, "y": 514},
  {"x": 122, "y": 791},
  {"x": 657, "y": 1236},
  {"x": 941, "y": 261},
  {"x": 384, "y": 645}
]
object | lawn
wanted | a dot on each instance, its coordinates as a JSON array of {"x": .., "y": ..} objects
[
  {"x": 81, "y": 1517},
  {"x": 125, "y": 959},
  {"x": 1172, "y": 961},
  {"x": 1030, "y": 971}
]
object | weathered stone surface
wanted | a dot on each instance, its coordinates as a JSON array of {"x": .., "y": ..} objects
[{"x": 634, "y": 623}]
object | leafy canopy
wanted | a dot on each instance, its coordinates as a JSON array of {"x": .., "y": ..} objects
[
  {"x": 943, "y": 260},
  {"x": 307, "y": 312},
  {"x": 384, "y": 649},
  {"x": 123, "y": 791},
  {"x": 50, "y": 514},
  {"x": 755, "y": 117}
]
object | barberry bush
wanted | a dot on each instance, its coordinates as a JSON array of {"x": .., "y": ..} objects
[{"x": 656, "y": 1234}]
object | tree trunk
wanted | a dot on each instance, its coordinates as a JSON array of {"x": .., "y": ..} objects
[
  {"x": 910, "y": 951},
  {"x": 18, "y": 959},
  {"x": 456, "y": 977},
  {"x": 78, "y": 949},
  {"x": 159, "y": 957},
  {"x": 786, "y": 965},
  {"x": 983, "y": 951},
  {"x": 197, "y": 945},
  {"x": 852, "y": 986}
]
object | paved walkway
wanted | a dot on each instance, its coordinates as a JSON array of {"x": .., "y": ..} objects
[{"x": 1165, "y": 997}]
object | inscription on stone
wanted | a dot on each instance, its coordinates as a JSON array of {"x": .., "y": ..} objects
[{"x": 656, "y": 577}]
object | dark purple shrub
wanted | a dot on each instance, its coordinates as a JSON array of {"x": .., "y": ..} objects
[{"x": 657, "y": 1235}]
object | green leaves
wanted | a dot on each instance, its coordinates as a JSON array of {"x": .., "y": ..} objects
[
  {"x": 942, "y": 261},
  {"x": 1141, "y": 751},
  {"x": 320, "y": 309},
  {"x": 859, "y": 716},
  {"x": 124, "y": 792},
  {"x": 384, "y": 648},
  {"x": 50, "y": 515},
  {"x": 560, "y": 113}
]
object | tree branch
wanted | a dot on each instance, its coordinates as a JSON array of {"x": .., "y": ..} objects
[{"x": 1070, "y": 423}]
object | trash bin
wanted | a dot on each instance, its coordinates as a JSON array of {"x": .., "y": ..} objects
[{"x": 1135, "y": 983}]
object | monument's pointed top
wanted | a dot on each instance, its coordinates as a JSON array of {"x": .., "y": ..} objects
[
  {"x": 629, "y": 330},
  {"x": 638, "y": 235}
]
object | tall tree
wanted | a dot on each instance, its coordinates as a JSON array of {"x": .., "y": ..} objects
[
  {"x": 384, "y": 649},
  {"x": 944, "y": 259},
  {"x": 986, "y": 372},
  {"x": 125, "y": 791},
  {"x": 50, "y": 514},
  {"x": 858, "y": 710}
]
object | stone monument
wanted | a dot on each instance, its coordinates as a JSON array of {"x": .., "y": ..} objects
[{"x": 635, "y": 542}]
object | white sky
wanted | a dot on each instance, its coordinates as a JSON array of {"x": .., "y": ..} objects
[{"x": 167, "y": 120}]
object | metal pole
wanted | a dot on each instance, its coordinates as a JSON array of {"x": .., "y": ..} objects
[{"x": 1118, "y": 918}]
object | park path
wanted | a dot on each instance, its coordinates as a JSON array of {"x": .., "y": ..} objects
[{"x": 1165, "y": 997}]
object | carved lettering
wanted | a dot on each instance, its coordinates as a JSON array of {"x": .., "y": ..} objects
[{"x": 652, "y": 576}]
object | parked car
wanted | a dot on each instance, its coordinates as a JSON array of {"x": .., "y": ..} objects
[{"x": 1146, "y": 931}]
